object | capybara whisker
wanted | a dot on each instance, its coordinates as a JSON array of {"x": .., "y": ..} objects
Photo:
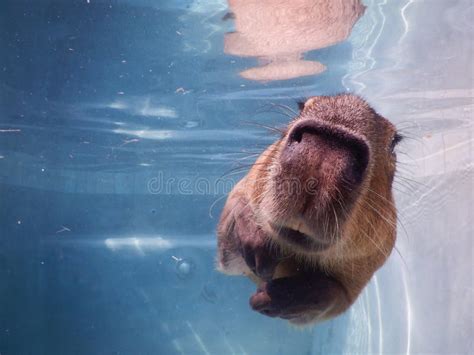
[{"x": 269, "y": 128}]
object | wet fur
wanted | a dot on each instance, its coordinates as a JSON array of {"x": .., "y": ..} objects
[{"x": 301, "y": 284}]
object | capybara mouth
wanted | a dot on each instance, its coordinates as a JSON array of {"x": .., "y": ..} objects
[{"x": 299, "y": 239}]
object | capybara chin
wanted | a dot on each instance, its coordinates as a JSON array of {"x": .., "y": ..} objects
[{"x": 314, "y": 218}]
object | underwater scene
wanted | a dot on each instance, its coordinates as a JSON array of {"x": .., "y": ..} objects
[{"x": 125, "y": 124}]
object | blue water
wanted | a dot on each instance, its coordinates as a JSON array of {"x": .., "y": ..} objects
[{"x": 102, "y": 102}]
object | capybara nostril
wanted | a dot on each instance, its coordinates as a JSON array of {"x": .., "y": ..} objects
[
  {"x": 321, "y": 138},
  {"x": 353, "y": 174}
]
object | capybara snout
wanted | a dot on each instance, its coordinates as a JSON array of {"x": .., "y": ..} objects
[{"x": 333, "y": 158}]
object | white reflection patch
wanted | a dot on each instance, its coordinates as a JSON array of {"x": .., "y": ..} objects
[
  {"x": 146, "y": 133},
  {"x": 117, "y": 105},
  {"x": 143, "y": 106},
  {"x": 142, "y": 244},
  {"x": 139, "y": 244}
]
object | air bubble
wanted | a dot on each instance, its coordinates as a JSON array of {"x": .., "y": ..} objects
[{"x": 184, "y": 268}]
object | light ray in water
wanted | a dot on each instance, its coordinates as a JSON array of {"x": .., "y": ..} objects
[
  {"x": 405, "y": 21},
  {"x": 369, "y": 323},
  {"x": 409, "y": 315},
  {"x": 198, "y": 338},
  {"x": 379, "y": 314}
]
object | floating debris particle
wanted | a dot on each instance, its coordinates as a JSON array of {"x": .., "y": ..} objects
[
  {"x": 133, "y": 140},
  {"x": 181, "y": 90},
  {"x": 63, "y": 229}
]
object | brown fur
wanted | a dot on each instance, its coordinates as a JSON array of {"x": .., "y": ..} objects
[{"x": 348, "y": 220}]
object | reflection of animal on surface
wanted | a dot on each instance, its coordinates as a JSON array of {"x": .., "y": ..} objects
[
  {"x": 314, "y": 218},
  {"x": 278, "y": 32}
]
